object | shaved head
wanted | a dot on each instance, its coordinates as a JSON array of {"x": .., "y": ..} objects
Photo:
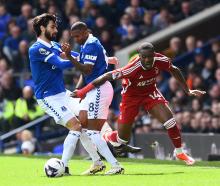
[
  {"x": 79, "y": 26},
  {"x": 146, "y": 46}
]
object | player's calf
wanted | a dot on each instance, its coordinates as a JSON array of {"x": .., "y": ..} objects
[{"x": 175, "y": 136}]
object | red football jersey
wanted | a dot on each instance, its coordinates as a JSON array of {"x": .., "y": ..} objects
[{"x": 136, "y": 80}]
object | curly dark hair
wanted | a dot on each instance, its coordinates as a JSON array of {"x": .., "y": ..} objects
[{"x": 42, "y": 20}]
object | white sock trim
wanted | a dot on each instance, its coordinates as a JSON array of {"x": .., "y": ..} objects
[
  {"x": 75, "y": 133},
  {"x": 170, "y": 123},
  {"x": 106, "y": 128},
  {"x": 178, "y": 150},
  {"x": 92, "y": 132}
]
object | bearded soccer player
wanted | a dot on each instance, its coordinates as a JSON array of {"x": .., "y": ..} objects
[
  {"x": 139, "y": 89},
  {"x": 46, "y": 67}
]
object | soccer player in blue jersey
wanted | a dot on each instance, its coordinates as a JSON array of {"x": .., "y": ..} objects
[
  {"x": 93, "y": 63},
  {"x": 46, "y": 68}
]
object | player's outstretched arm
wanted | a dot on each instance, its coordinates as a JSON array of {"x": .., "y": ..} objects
[
  {"x": 58, "y": 62},
  {"x": 80, "y": 83},
  {"x": 177, "y": 74},
  {"x": 95, "y": 83},
  {"x": 102, "y": 79}
]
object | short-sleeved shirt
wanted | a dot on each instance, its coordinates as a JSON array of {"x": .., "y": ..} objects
[
  {"x": 46, "y": 68},
  {"x": 92, "y": 52},
  {"x": 136, "y": 80}
]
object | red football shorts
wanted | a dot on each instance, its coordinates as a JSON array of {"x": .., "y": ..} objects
[{"x": 129, "y": 106}]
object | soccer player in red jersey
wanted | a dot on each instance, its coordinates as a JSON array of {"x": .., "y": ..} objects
[{"x": 139, "y": 89}]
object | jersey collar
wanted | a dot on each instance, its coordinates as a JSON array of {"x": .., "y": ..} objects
[
  {"x": 89, "y": 38},
  {"x": 145, "y": 68},
  {"x": 44, "y": 43}
]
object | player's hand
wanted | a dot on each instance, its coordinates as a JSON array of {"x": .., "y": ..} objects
[
  {"x": 66, "y": 48},
  {"x": 73, "y": 94},
  {"x": 77, "y": 94},
  {"x": 196, "y": 92},
  {"x": 113, "y": 60},
  {"x": 63, "y": 55}
]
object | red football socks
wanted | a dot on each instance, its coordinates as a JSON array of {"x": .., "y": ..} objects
[
  {"x": 175, "y": 136},
  {"x": 111, "y": 136}
]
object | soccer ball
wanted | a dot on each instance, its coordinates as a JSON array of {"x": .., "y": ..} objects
[{"x": 54, "y": 168}]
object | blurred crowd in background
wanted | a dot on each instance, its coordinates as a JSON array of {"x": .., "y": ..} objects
[{"x": 117, "y": 23}]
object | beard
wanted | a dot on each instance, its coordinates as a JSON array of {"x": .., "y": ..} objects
[{"x": 49, "y": 36}]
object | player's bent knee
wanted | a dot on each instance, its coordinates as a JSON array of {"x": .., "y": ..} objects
[
  {"x": 74, "y": 124},
  {"x": 96, "y": 124},
  {"x": 83, "y": 118}
]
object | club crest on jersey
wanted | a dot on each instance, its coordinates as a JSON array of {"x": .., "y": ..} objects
[
  {"x": 156, "y": 70},
  {"x": 44, "y": 51},
  {"x": 63, "y": 108}
]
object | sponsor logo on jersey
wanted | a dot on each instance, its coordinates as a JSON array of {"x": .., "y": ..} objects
[
  {"x": 147, "y": 82},
  {"x": 54, "y": 67},
  {"x": 156, "y": 70},
  {"x": 90, "y": 57},
  {"x": 63, "y": 108},
  {"x": 44, "y": 51}
]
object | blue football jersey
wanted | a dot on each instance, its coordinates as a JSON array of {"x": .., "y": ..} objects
[
  {"x": 46, "y": 68},
  {"x": 92, "y": 52}
]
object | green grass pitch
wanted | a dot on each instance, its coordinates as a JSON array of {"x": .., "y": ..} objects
[{"x": 28, "y": 171}]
